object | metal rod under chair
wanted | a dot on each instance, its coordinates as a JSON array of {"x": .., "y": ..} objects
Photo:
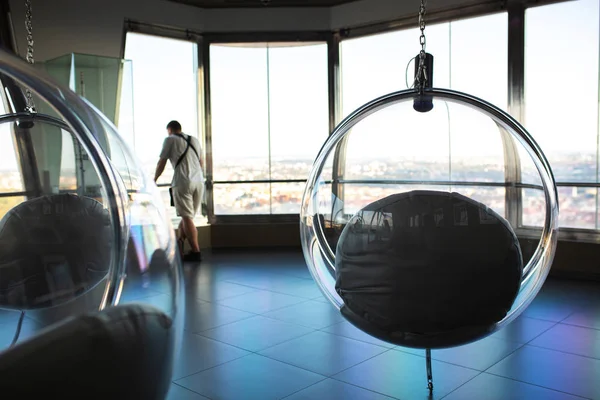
[{"x": 429, "y": 373}]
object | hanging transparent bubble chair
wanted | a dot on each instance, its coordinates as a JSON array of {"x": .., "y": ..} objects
[
  {"x": 88, "y": 259},
  {"x": 406, "y": 229}
]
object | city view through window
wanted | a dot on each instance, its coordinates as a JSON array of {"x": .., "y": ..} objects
[{"x": 270, "y": 114}]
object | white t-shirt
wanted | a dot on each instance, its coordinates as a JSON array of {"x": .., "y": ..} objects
[{"x": 189, "y": 170}]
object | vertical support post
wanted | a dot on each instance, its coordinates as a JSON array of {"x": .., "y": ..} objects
[
  {"x": 204, "y": 93},
  {"x": 335, "y": 113},
  {"x": 429, "y": 372},
  {"x": 516, "y": 97}
]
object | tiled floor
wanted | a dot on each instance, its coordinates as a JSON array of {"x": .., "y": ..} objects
[{"x": 258, "y": 328}]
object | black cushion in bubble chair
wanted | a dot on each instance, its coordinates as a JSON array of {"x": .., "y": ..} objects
[
  {"x": 52, "y": 249},
  {"x": 124, "y": 352},
  {"x": 427, "y": 269}
]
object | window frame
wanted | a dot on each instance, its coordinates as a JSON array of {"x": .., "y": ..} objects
[
  {"x": 259, "y": 37},
  {"x": 516, "y": 70}
]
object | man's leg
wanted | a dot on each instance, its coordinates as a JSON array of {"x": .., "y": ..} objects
[
  {"x": 184, "y": 205},
  {"x": 191, "y": 233},
  {"x": 181, "y": 237}
]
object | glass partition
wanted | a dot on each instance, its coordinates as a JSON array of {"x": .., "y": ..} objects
[
  {"x": 561, "y": 101},
  {"x": 461, "y": 147},
  {"x": 164, "y": 87},
  {"x": 269, "y": 104}
]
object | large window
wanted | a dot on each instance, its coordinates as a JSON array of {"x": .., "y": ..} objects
[
  {"x": 561, "y": 95},
  {"x": 164, "y": 88},
  {"x": 269, "y": 106},
  {"x": 454, "y": 143},
  {"x": 11, "y": 182}
]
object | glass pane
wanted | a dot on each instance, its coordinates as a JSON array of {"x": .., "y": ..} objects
[
  {"x": 476, "y": 148},
  {"x": 10, "y": 170},
  {"x": 125, "y": 117},
  {"x": 60, "y": 69},
  {"x": 479, "y": 65},
  {"x": 8, "y": 203},
  {"x": 286, "y": 198},
  {"x": 358, "y": 196},
  {"x": 98, "y": 80},
  {"x": 240, "y": 113},
  {"x": 299, "y": 114},
  {"x": 398, "y": 143},
  {"x": 68, "y": 167},
  {"x": 577, "y": 207},
  {"x": 164, "y": 89},
  {"x": 561, "y": 86},
  {"x": 242, "y": 198},
  {"x": 534, "y": 207},
  {"x": 449, "y": 143},
  {"x": 493, "y": 197}
]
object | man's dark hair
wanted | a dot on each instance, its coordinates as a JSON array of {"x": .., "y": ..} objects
[{"x": 174, "y": 126}]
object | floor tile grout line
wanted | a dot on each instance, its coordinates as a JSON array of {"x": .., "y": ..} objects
[
  {"x": 358, "y": 340},
  {"x": 435, "y": 359},
  {"x": 362, "y": 362},
  {"x": 254, "y": 316},
  {"x": 521, "y": 346},
  {"x": 541, "y": 333},
  {"x": 280, "y": 361},
  {"x": 264, "y": 312},
  {"x": 580, "y": 326},
  {"x": 304, "y": 388},
  {"x": 188, "y": 389},
  {"x": 459, "y": 386},
  {"x": 279, "y": 292},
  {"x": 364, "y": 388},
  {"x": 536, "y": 385},
  {"x": 218, "y": 326},
  {"x": 344, "y": 383},
  {"x": 225, "y": 343},
  {"x": 259, "y": 350},
  {"x": 309, "y": 333},
  {"x": 253, "y": 290},
  {"x": 563, "y": 352},
  {"x": 206, "y": 369}
]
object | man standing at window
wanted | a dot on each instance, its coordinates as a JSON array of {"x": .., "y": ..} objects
[{"x": 187, "y": 186}]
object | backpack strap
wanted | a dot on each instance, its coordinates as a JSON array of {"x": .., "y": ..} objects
[
  {"x": 182, "y": 156},
  {"x": 189, "y": 144}
]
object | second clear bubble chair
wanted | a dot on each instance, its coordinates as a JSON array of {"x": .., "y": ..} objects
[
  {"x": 87, "y": 238},
  {"x": 409, "y": 222}
]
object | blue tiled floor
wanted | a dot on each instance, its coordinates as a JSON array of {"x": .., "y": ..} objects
[{"x": 257, "y": 328}]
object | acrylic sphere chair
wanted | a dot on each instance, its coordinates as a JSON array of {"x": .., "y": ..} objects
[
  {"x": 407, "y": 234},
  {"x": 90, "y": 279}
]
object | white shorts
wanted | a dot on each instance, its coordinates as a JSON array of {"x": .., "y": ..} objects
[{"x": 188, "y": 198}]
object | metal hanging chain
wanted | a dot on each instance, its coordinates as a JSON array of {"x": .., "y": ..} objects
[
  {"x": 30, "y": 105},
  {"x": 421, "y": 78}
]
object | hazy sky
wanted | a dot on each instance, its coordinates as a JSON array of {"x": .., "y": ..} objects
[{"x": 286, "y": 89}]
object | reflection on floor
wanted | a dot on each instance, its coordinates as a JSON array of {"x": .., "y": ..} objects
[{"x": 258, "y": 328}]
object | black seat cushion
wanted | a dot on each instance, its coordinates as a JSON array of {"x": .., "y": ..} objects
[
  {"x": 124, "y": 352},
  {"x": 418, "y": 265},
  {"x": 53, "y": 249}
]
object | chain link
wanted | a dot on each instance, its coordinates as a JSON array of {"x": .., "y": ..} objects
[
  {"x": 421, "y": 78},
  {"x": 30, "y": 105}
]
